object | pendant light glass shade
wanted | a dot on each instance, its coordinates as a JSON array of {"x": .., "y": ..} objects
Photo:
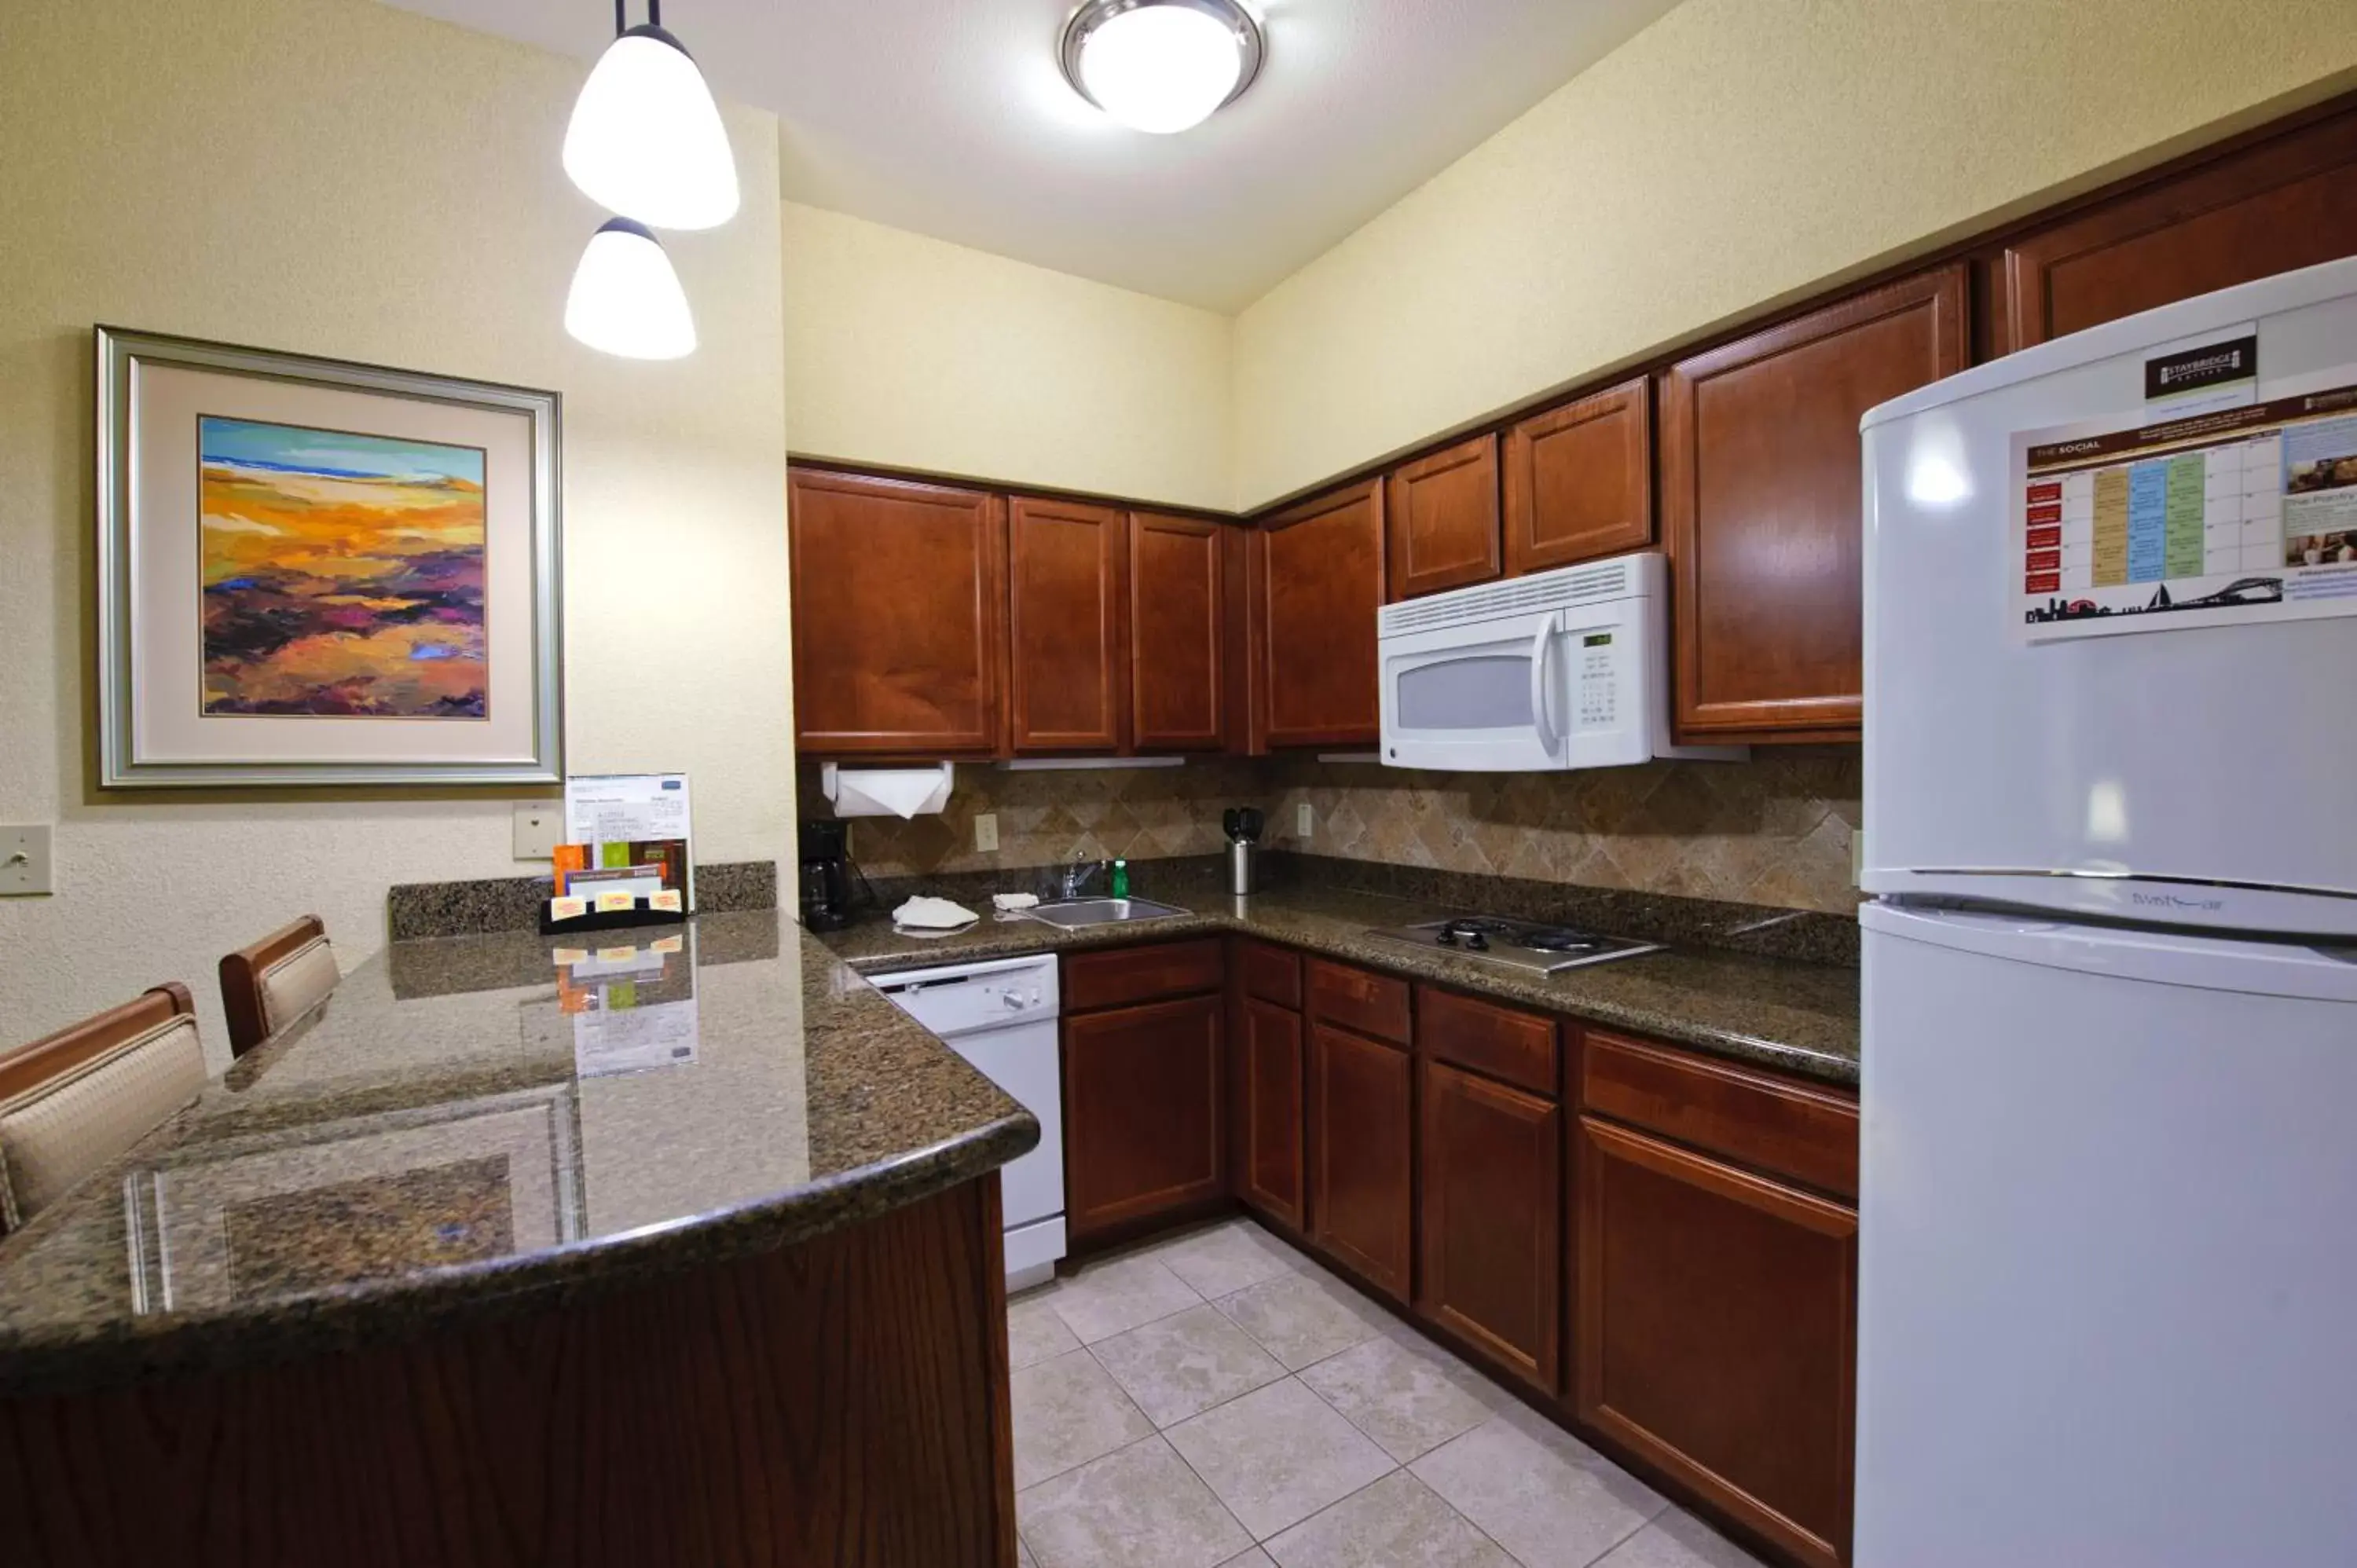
[
  {"x": 626, "y": 299},
  {"x": 646, "y": 140},
  {"x": 1161, "y": 65}
]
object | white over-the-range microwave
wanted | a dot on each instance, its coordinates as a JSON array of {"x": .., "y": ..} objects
[{"x": 1560, "y": 670}]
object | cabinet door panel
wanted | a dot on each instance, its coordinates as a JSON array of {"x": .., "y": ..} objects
[
  {"x": 1443, "y": 511},
  {"x": 1717, "y": 1332},
  {"x": 1267, "y": 1129},
  {"x": 1362, "y": 1143},
  {"x": 2269, "y": 208},
  {"x": 1143, "y": 1130},
  {"x": 900, "y": 615},
  {"x": 1070, "y": 663},
  {"x": 1492, "y": 1167},
  {"x": 1177, "y": 661},
  {"x": 1579, "y": 480},
  {"x": 1761, "y": 505},
  {"x": 1321, "y": 583}
]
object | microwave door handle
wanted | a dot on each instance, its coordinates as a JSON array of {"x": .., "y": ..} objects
[{"x": 1541, "y": 707}]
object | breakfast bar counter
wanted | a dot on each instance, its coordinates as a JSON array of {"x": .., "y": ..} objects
[{"x": 633, "y": 1247}]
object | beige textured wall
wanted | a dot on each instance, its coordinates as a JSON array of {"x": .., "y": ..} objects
[
  {"x": 1773, "y": 831},
  {"x": 910, "y": 352},
  {"x": 1735, "y": 153},
  {"x": 338, "y": 178}
]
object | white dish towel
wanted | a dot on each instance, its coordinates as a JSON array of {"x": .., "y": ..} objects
[{"x": 923, "y": 913}]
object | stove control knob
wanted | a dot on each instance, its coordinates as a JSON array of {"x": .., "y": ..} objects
[{"x": 1477, "y": 942}]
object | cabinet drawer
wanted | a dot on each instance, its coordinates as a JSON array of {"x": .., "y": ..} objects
[
  {"x": 1807, "y": 1134},
  {"x": 1140, "y": 974},
  {"x": 1373, "y": 1005},
  {"x": 1516, "y": 1046},
  {"x": 1272, "y": 975}
]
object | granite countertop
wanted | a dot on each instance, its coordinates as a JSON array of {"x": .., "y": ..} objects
[
  {"x": 1781, "y": 1012},
  {"x": 486, "y": 1124}
]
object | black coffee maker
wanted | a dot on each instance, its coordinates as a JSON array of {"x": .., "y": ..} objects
[{"x": 825, "y": 874}]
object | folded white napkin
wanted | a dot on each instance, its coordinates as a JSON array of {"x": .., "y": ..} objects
[
  {"x": 933, "y": 915},
  {"x": 1010, "y": 902}
]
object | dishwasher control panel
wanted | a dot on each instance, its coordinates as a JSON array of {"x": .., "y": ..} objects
[{"x": 988, "y": 996}]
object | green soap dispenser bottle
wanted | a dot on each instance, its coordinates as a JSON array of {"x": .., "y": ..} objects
[{"x": 1121, "y": 879}]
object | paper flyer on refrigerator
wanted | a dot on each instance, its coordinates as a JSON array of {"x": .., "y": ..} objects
[{"x": 2220, "y": 518}]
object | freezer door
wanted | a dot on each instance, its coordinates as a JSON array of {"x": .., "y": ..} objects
[
  {"x": 2107, "y": 1257},
  {"x": 2199, "y": 775}
]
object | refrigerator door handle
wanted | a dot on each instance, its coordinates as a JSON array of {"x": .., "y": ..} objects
[{"x": 2157, "y": 955}]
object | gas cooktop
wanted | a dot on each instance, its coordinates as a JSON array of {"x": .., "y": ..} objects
[{"x": 1521, "y": 944}]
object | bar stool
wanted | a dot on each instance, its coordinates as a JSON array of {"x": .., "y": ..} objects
[
  {"x": 268, "y": 985},
  {"x": 72, "y": 1101}
]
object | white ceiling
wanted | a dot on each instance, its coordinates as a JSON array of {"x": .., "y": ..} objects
[{"x": 949, "y": 117}]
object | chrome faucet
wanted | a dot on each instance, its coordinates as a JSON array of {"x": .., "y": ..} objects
[{"x": 1077, "y": 875}]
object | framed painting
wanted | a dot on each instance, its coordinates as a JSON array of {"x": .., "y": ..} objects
[{"x": 312, "y": 573}]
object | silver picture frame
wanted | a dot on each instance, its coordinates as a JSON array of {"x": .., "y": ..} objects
[{"x": 121, "y": 355}]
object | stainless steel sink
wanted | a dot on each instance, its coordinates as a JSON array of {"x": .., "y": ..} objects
[{"x": 1075, "y": 912}]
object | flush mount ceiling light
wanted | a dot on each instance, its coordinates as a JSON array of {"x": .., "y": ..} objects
[
  {"x": 626, "y": 299},
  {"x": 646, "y": 140},
  {"x": 1161, "y": 65}
]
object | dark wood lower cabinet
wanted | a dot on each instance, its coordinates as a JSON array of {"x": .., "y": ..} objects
[
  {"x": 1492, "y": 1166},
  {"x": 1362, "y": 1154},
  {"x": 837, "y": 1403},
  {"x": 1142, "y": 1124},
  {"x": 1717, "y": 1332},
  {"x": 1267, "y": 1123}
]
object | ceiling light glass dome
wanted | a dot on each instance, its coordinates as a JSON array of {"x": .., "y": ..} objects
[{"x": 1161, "y": 65}]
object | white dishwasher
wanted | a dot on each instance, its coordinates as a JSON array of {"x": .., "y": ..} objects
[{"x": 1001, "y": 1016}]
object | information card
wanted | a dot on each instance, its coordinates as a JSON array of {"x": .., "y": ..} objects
[{"x": 2217, "y": 519}]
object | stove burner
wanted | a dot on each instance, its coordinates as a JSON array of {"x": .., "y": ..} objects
[{"x": 1561, "y": 941}]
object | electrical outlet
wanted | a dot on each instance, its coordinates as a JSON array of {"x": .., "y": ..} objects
[
  {"x": 539, "y": 829},
  {"x": 1304, "y": 820},
  {"x": 986, "y": 833},
  {"x": 24, "y": 869}
]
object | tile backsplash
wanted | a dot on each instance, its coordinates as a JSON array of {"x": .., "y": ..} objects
[{"x": 1773, "y": 831}]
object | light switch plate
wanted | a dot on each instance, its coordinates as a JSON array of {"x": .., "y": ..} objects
[
  {"x": 986, "y": 833},
  {"x": 1304, "y": 820},
  {"x": 25, "y": 869},
  {"x": 539, "y": 829}
]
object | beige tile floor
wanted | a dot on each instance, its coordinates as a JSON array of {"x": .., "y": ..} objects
[{"x": 1218, "y": 1401}]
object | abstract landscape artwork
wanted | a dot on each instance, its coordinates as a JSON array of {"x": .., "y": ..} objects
[{"x": 342, "y": 574}]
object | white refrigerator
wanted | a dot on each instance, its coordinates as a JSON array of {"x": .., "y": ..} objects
[{"x": 2107, "y": 1309}]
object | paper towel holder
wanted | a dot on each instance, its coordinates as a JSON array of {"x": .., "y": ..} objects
[{"x": 924, "y": 787}]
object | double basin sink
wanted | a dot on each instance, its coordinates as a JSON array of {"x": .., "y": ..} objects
[{"x": 1072, "y": 914}]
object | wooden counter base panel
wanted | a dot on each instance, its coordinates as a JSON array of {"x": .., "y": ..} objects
[{"x": 842, "y": 1403}]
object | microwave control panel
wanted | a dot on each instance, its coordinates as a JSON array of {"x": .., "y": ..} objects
[{"x": 1601, "y": 661}]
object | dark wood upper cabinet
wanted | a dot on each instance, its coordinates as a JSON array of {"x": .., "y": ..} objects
[
  {"x": 1362, "y": 1153},
  {"x": 1314, "y": 619},
  {"x": 1443, "y": 511},
  {"x": 1717, "y": 1332},
  {"x": 1761, "y": 507},
  {"x": 2270, "y": 208},
  {"x": 1144, "y": 1132},
  {"x": 1491, "y": 1164},
  {"x": 1068, "y": 678},
  {"x": 900, "y": 595},
  {"x": 1178, "y": 633},
  {"x": 1579, "y": 480},
  {"x": 1266, "y": 1125}
]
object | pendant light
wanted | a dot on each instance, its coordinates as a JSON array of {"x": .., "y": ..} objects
[
  {"x": 646, "y": 139},
  {"x": 625, "y": 297},
  {"x": 1161, "y": 65}
]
